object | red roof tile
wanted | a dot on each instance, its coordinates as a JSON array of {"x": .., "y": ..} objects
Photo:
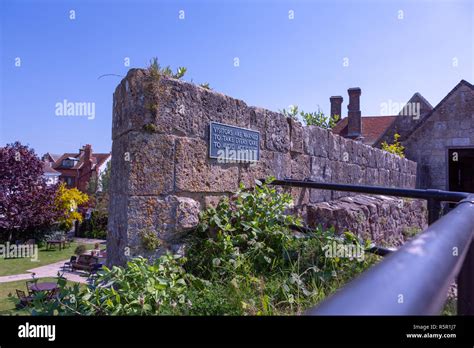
[{"x": 373, "y": 127}]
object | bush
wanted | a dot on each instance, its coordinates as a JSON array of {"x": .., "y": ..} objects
[
  {"x": 80, "y": 249},
  {"x": 396, "y": 148},
  {"x": 249, "y": 226},
  {"x": 140, "y": 288},
  {"x": 95, "y": 226},
  {"x": 243, "y": 260}
]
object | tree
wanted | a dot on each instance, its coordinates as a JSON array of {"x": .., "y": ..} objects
[
  {"x": 315, "y": 118},
  {"x": 26, "y": 202},
  {"x": 67, "y": 202}
]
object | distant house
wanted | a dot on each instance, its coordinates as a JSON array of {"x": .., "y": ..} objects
[
  {"x": 51, "y": 175},
  {"x": 77, "y": 169},
  {"x": 440, "y": 139}
]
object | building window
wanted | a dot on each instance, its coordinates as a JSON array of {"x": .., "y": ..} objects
[
  {"x": 69, "y": 181},
  {"x": 68, "y": 163}
]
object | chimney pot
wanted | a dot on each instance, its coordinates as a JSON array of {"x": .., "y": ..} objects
[
  {"x": 354, "y": 123},
  {"x": 336, "y": 102}
]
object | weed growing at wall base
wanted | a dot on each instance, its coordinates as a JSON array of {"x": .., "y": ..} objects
[{"x": 244, "y": 259}]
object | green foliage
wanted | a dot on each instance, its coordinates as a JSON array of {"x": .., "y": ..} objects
[
  {"x": 150, "y": 128},
  {"x": 180, "y": 72},
  {"x": 80, "y": 249},
  {"x": 205, "y": 85},
  {"x": 140, "y": 288},
  {"x": 292, "y": 112},
  {"x": 244, "y": 259},
  {"x": 249, "y": 225},
  {"x": 96, "y": 225},
  {"x": 156, "y": 71},
  {"x": 150, "y": 240},
  {"x": 316, "y": 118},
  {"x": 396, "y": 148}
]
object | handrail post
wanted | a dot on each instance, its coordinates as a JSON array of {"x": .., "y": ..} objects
[
  {"x": 434, "y": 208},
  {"x": 465, "y": 304}
]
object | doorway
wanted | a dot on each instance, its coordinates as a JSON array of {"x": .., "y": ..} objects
[{"x": 461, "y": 169}]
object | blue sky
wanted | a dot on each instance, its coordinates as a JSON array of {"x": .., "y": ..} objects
[{"x": 394, "y": 49}]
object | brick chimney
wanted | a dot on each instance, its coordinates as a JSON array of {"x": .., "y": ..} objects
[
  {"x": 87, "y": 152},
  {"x": 336, "y": 102},
  {"x": 354, "y": 123}
]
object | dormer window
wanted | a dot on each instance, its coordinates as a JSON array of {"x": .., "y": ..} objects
[{"x": 68, "y": 163}]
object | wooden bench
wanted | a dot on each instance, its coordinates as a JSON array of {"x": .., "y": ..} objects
[{"x": 85, "y": 263}]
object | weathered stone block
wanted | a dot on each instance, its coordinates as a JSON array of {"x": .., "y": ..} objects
[
  {"x": 300, "y": 167},
  {"x": 195, "y": 172},
  {"x": 347, "y": 153},
  {"x": 187, "y": 214},
  {"x": 315, "y": 141},
  {"x": 271, "y": 164},
  {"x": 334, "y": 147},
  {"x": 277, "y": 132},
  {"x": 151, "y": 163},
  {"x": 296, "y": 137},
  {"x": 258, "y": 122},
  {"x": 143, "y": 164}
]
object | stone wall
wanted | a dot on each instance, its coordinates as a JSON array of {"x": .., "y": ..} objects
[
  {"x": 450, "y": 125},
  {"x": 162, "y": 175},
  {"x": 382, "y": 219}
]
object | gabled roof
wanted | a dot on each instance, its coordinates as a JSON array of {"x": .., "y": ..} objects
[
  {"x": 47, "y": 169},
  {"x": 372, "y": 127},
  {"x": 96, "y": 158},
  {"x": 420, "y": 124}
]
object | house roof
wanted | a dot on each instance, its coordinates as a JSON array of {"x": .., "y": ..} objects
[
  {"x": 96, "y": 158},
  {"x": 47, "y": 169},
  {"x": 461, "y": 83},
  {"x": 372, "y": 127}
]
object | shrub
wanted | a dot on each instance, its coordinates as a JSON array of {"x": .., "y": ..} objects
[
  {"x": 244, "y": 259},
  {"x": 396, "y": 147},
  {"x": 96, "y": 225},
  {"x": 317, "y": 118},
  {"x": 140, "y": 288},
  {"x": 67, "y": 202},
  {"x": 249, "y": 226},
  {"x": 80, "y": 249},
  {"x": 157, "y": 71}
]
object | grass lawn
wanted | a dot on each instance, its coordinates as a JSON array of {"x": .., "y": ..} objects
[
  {"x": 45, "y": 257},
  {"x": 7, "y": 307}
]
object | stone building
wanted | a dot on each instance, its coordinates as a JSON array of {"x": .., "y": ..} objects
[{"x": 439, "y": 139}]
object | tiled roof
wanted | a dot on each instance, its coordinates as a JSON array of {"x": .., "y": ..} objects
[
  {"x": 48, "y": 170},
  {"x": 97, "y": 159},
  {"x": 372, "y": 127}
]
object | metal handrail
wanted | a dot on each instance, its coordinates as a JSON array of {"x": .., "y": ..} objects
[{"x": 413, "y": 280}]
